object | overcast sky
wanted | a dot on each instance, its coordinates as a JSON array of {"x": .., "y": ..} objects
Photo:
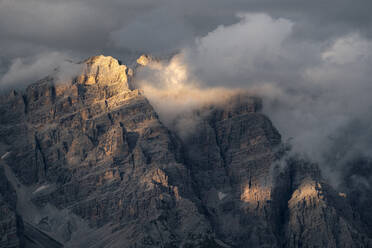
[
  {"x": 310, "y": 60},
  {"x": 114, "y": 27}
]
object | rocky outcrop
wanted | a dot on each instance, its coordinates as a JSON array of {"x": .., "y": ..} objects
[
  {"x": 231, "y": 154},
  {"x": 91, "y": 165},
  {"x": 95, "y": 149},
  {"x": 11, "y": 225},
  {"x": 318, "y": 216}
]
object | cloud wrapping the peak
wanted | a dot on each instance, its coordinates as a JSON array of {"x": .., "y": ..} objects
[
  {"x": 175, "y": 93},
  {"x": 316, "y": 92},
  {"x": 24, "y": 71}
]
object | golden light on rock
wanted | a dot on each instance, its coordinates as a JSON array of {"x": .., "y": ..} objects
[
  {"x": 342, "y": 195},
  {"x": 308, "y": 192},
  {"x": 144, "y": 60},
  {"x": 254, "y": 195},
  {"x": 104, "y": 71}
]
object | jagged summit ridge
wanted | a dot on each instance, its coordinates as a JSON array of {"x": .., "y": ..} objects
[
  {"x": 104, "y": 70},
  {"x": 144, "y": 60}
]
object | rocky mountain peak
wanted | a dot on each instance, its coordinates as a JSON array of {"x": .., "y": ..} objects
[
  {"x": 144, "y": 59},
  {"x": 88, "y": 163},
  {"x": 103, "y": 70}
]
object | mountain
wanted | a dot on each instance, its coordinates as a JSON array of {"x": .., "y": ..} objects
[{"x": 88, "y": 163}]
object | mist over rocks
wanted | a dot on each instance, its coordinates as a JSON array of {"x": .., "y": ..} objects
[
  {"x": 24, "y": 72},
  {"x": 317, "y": 84},
  {"x": 311, "y": 90},
  {"x": 107, "y": 158},
  {"x": 243, "y": 123}
]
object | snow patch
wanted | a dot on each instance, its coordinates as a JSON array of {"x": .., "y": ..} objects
[
  {"x": 221, "y": 196},
  {"x": 41, "y": 188},
  {"x": 5, "y": 155}
]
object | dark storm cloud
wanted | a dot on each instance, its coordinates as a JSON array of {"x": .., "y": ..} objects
[{"x": 86, "y": 27}]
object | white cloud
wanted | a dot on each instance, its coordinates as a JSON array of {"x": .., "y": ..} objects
[
  {"x": 25, "y": 71},
  {"x": 314, "y": 92},
  {"x": 348, "y": 49},
  {"x": 175, "y": 93},
  {"x": 242, "y": 52}
]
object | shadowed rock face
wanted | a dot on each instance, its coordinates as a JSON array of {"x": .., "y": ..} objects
[
  {"x": 318, "y": 216},
  {"x": 357, "y": 188},
  {"x": 252, "y": 199},
  {"x": 93, "y": 166},
  {"x": 230, "y": 154},
  {"x": 11, "y": 227}
]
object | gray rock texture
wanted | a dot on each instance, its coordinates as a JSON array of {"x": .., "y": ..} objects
[
  {"x": 89, "y": 164},
  {"x": 11, "y": 225}
]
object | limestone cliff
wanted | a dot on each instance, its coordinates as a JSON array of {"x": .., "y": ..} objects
[
  {"x": 94, "y": 159},
  {"x": 88, "y": 163}
]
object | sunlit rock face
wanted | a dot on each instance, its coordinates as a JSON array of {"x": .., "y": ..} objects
[
  {"x": 144, "y": 60},
  {"x": 104, "y": 71},
  {"x": 98, "y": 167},
  {"x": 88, "y": 163},
  {"x": 318, "y": 215}
]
